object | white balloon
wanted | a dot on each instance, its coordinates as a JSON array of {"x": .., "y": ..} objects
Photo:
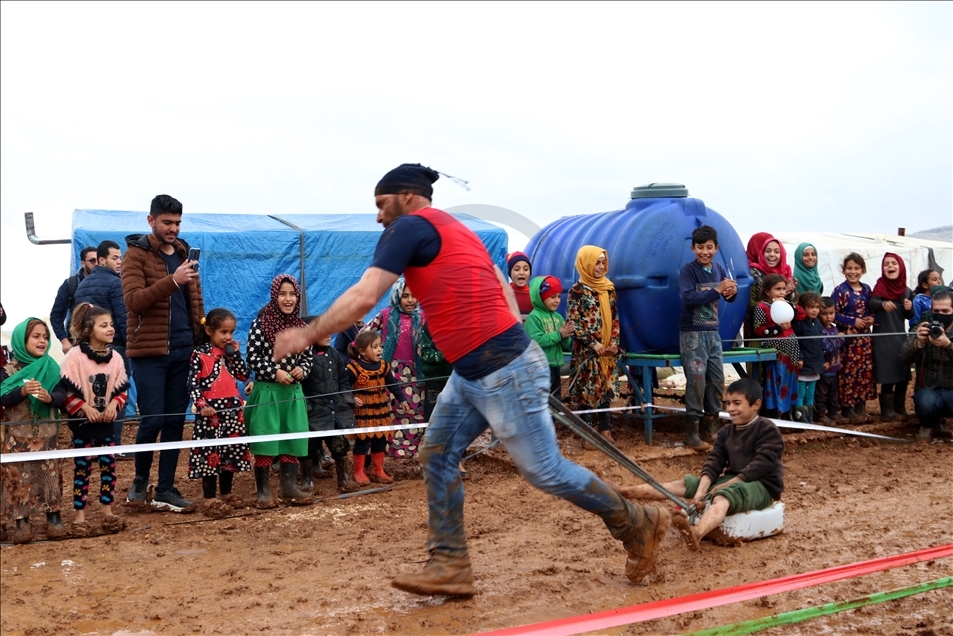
[{"x": 781, "y": 312}]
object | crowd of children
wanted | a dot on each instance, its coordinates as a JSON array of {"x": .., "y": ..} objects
[{"x": 393, "y": 374}]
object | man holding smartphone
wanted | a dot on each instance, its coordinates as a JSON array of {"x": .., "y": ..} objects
[{"x": 164, "y": 311}]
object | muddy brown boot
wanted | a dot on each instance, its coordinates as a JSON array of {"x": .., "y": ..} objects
[
  {"x": 264, "y": 499},
  {"x": 692, "y": 440},
  {"x": 24, "y": 533},
  {"x": 319, "y": 470},
  {"x": 307, "y": 465},
  {"x": 443, "y": 575},
  {"x": 886, "y": 407},
  {"x": 643, "y": 540},
  {"x": 345, "y": 483},
  {"x": 54, "y": 526},
  {"x": 289, "y": 486},
  {"x": 324, "y": 461}
]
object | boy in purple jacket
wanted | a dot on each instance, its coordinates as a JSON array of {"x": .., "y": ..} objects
[
  {"x": 743, "y": 471},
  {"x": 826, "y": 406}
]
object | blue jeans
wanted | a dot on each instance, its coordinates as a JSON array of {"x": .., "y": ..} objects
[
  {"x": 805, "y": 392},
  {"x": 513, "y": 402},
  {"x": 703, "y": 362},
  {"x": 163, "y": 398},
  {"x": 931, "y": 405}
]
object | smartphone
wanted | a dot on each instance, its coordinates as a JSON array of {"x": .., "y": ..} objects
[{"x": 194, "y": 254}]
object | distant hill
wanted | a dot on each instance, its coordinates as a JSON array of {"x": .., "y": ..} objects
[{"x": 943, "y": 233}]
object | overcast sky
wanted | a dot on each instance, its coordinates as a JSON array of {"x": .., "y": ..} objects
[{"x": 798, "y": 116}]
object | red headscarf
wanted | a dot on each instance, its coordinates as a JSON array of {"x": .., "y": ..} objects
[
  {"x": 273, "y": 320},
  {"x": 756, "y": 256},
  {"x": 895, "y": 289}
]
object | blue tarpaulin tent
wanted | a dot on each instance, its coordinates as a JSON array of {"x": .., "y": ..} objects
[{"x": 242, "y": 253}]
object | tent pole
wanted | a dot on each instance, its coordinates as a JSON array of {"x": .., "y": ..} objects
[
  {"x": 304, "y": 285},
  {"x": 31, "y": 233}
]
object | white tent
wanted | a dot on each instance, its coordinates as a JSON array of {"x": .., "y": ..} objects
[{"x": 918, "y": 254}]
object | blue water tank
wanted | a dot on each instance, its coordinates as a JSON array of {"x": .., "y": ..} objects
[{"x": 648, "y": 242}]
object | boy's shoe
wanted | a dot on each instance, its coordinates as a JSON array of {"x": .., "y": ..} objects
[
  {"x": 443, "y": 575},
  {"x": 924, "y": 434},
  {"x": 173, "y": 501},
  {"x": 137, "y": 492},
  {"x": 840, "y": 419}
]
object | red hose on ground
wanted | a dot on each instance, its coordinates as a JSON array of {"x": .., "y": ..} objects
[{"x": 715, "y": 598}]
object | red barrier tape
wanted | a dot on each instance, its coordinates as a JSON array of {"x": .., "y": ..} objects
[{"x": 715, "y": 598}]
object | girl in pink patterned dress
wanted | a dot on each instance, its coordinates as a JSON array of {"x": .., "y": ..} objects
[{"x": 399, "y": 326}]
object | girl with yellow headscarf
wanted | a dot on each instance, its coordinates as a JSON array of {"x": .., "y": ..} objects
[{"x": 592, "y": 311}]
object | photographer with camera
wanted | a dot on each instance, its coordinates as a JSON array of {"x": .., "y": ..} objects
[{"x": 929, "y": 349}]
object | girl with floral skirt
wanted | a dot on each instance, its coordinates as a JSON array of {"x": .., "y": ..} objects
[
  {"x": 277, "y": 404},
  {"x": 215, "y": 369},
  {"x": 591, "y": 309},
  {"x": 855, "y": 382},
  {"x": 399, "y": 327},
  {"x": 26, "y": 395}
]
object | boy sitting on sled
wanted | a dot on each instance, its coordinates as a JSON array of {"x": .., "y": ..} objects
[{"x": 744, "y": 466}]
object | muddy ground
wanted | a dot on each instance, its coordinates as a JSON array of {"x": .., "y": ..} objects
[{"x": 325, "y": 569}]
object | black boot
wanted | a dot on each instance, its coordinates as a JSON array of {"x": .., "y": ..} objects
[
  {"x": 799, "y": 414},
  {"x": 900, "y": 400},
  {"x": 692, "y": 440},
  {"x": 264, "y": 500},
  {"x": 306, "y": 466},
  {"x": 54, "y": 526},
  {"x": 319, "y": 470},
  {"x": 709, "y": 428},
  {"x": 810, "y": 414},
  {"x": 325, "y": 462},
  {"x": 886, "y": 406},
  {"x": 289, "y": 485},
  {"x": 345, "y": 481}
]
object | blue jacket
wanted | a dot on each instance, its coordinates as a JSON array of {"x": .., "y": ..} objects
[
  {"x": 103, "y": 288},
  {"x": 60, "y": 313}
]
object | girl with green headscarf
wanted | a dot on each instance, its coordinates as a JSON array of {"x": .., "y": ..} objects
[
  {"x": 805, "y": 270},
  {"x": 34, "y": 486}
]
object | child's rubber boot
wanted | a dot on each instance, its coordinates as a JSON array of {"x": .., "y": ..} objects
[
  {"x": 810, "y": 413},
  {"x": 54, "y": 526},
  {"x": 799, "y": 414},
  {"x": 24, "y": 533},
  {"x": 378, "y": 476},
  {"x": 359, "y": 477},
  {"x": 289, "y": 486},
  {"x": 307, "y": 485},
  {"x": 325, "y": 461},
  {"x": 692, "y": 440},
  {"x": 345, "y": 483},
  {"x": 264, "y": 499},
  {"x": 859, "y": 413},
  {"x": 887, "y": 413},
  {"x": 841, "y": 418},
  {"x": 443, "y": 575}
]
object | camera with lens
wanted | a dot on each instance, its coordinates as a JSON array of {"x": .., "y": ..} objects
[{"x": 936, "y": 329}]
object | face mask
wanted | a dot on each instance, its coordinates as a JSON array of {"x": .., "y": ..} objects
[{"x": 944, "y": 319}]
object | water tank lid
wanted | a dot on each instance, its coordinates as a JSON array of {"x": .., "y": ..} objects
[{"x": 659, "y": 191}]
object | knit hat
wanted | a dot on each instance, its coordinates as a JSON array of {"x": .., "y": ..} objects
[
  {"x": 408, "y": 177},
  {"x": 550, "y": 287},
  {"x": 515, "y": 258}
]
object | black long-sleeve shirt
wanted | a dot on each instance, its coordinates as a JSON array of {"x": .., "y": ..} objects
[{"x": 753, "y": 452}]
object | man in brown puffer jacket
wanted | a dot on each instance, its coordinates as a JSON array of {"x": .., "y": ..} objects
[{"x": 164, "y": 311}]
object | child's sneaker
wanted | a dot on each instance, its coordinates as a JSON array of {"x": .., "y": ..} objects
[{"x": 137, "y": 492}]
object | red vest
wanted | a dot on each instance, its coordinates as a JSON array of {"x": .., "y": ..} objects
[{"x": 461, "y": 297}]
